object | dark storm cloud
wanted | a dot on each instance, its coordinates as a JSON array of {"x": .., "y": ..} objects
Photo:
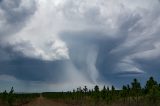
[
  {"x": 80, "y": 45},
  {"x": 33, "y": 70},
  {"x": 151, "y": 66},
  {"x": 106, "y": 41},
  {"x": 28, "y": 69},
  {"x": 14, "y": 14},
  {"x": 114, "y": 59}
]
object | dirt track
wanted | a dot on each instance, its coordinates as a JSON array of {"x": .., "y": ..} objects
[{"x": 44, "y": 102}]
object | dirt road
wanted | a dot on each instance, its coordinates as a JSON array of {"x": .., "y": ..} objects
[{"x": 41, "y": 101}]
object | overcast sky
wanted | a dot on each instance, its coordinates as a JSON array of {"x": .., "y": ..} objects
[{"x": 55, "y": 45}]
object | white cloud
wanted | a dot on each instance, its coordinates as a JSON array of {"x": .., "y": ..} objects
[{"x": 52, "y": 50}]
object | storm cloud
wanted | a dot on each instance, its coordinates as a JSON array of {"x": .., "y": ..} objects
[
  {"x": 13, "y": 15},
  {"x": 66, "y": 43}
]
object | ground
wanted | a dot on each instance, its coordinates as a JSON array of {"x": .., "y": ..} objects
[{"x": 41, "y": 101}]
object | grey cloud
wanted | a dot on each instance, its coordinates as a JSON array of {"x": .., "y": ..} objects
[
  {"x": 116, "y": 51},
  {"x": 93, "y": 15},
  {"x": 14, "y": 15},
  {"x": 81, "y": 43},
  {"x": 27, "y": 69},
  {"x": 79, "y": 11},
  {"x": 33, "y": 70}
]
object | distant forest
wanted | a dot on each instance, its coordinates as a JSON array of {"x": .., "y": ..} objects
[{"x": 132, "y": 94}]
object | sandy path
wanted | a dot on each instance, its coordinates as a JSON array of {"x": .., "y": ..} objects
[{"x": 44, "y": 102}]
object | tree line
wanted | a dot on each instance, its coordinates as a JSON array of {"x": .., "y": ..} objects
[
  {"x": 16, "y": 99},
  {"x": 132, "y": 94}
]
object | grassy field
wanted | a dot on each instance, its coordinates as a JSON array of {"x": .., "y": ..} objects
[{"x": 50, "y": 99}]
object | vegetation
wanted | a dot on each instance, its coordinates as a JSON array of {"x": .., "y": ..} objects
[
  {"x": 130, "y": 95},
  {"x": 16, "y": 99}
]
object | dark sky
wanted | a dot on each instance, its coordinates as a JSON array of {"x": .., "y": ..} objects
[{"x": 55, "y": 45}]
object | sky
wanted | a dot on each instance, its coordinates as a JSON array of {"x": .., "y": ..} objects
[{"x": 58, "y": 45}]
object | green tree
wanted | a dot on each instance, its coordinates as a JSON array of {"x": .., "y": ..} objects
[
  {"x": 11, "y": 97},
  {"x": 113, "y": 93},
  {"x": 154, "y": 94},
  {"x": 128, "y": 93},
  {"x": 108, "y": 95},
  {"x": 85, "y": 89},
  {"x": 5, "y": 97},
  {"x": 96, "y": 88},
  {"x": 136, "y": 90},
  {"x": 113, "y": 88},
  {"x": 104, "y": 90},
  {"x": 124, "y": 93},
  {"x": 96, "y": 95},
  {"x": 150, "y": 83}
]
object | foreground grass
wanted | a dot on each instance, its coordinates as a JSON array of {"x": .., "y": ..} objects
[{"x": 44, "y": 100}]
